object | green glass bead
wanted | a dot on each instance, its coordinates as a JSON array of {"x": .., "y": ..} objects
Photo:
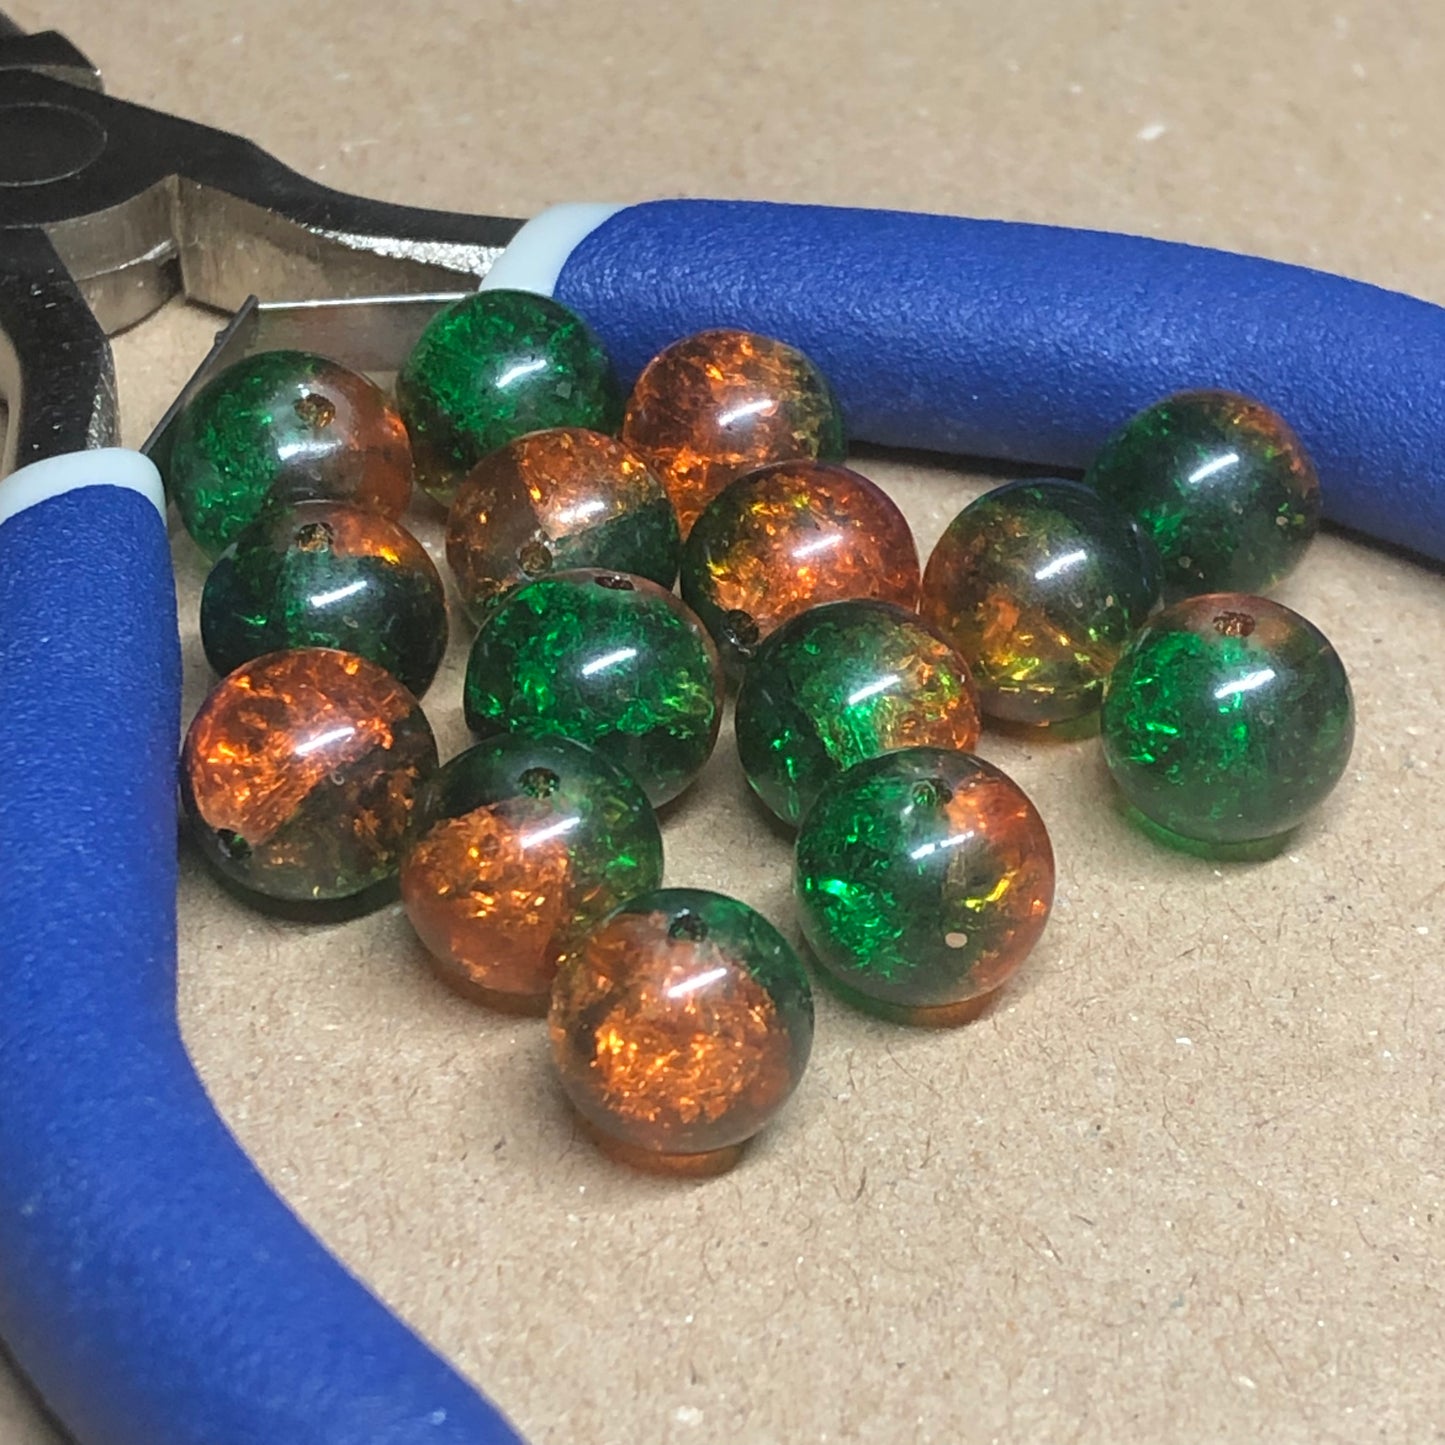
[
  {"x": 844, "y": 682},
  {"x": 283, "y": 427},
  {"x": 1228, "y": 719},
  {"x": 609, "y": 659},
  {"x": 519, "y": 846},
  {"x": 323, "y": 574},
  {"x": 492, "y": 367},
  {"x": 923, "y": 879},
  {"x": 680, "y": 1026},
  {"x": 1039, "y": 585},
  {"x": 1222, "y": 486}
]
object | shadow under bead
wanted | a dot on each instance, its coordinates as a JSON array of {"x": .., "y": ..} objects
[
  {"x": 555, "y": 501},
  {"x": 720, "y": 403},
  {"x": 679, "y": 1027},
  {"x": 281, "y": 427},
  {"x": 923, "y": 880},
  {"x": 1221, "y": 484},
  {"x": 520, "y": 845},
  {"x": 323, "y": 574},
  {"x": 789, "y": 537},
  {"x": 299, "y": 775},
  {"x": 1040, "y": 584}
]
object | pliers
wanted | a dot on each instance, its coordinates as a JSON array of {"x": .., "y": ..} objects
[{"x": 151, "y": 1285}]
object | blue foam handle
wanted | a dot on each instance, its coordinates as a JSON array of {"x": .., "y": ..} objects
[
  {"x": 151, "y": 1285},
  {"x": 1031, "y": 343}
]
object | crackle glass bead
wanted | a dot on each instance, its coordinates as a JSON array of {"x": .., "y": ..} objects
[
  {"x": 299, "y": 775},
  {"x": 492, "y": 367},
  {"x": 720, "y": 403},
  {"x": 519, "y": 846},
  {"x": 324, "y": 574},
  {"x": 1220, "y": 483},
  {"x": 923, "y": 879},
  {"x": 1039, "y": 584},
  {"x": 1228, "y": 719},
  {"x": 680, "y": 1026},
  {"x": 554, "y": 501},
  {"x": 790, "y": 537},
  {"x": 841, "y": 683},
  {"x": 282, "y": 427},
  {"x": 611, "y": 660}
]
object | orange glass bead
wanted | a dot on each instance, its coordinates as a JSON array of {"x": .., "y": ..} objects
[
  {"x": 521, "y": 844},
  {"x": 680, "y": 1027},
  {"x": 556, "y": 500},
  {"x": 721, "y": 403},
  {"x": 788, "y": 538},
  {"x": 299, "y": 775}
]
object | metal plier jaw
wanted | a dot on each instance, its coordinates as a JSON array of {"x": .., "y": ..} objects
[{"x": 108, "y": 209}]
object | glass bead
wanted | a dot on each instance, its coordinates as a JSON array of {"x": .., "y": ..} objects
[
  {"x": 611, "y": 660},
  {"x": 680, "y": 1026},
  {"x": 324, "y": 574},
  {"x": 841, "y": 683},
  {"x": 790, "y": 537},
  {"x": 1222, "y": 486},
  {"x": 1039, "y": 584},
  {"x": 720, "y": 403},
  {"x": 1228, "y": 719},
  {"x": 284, "y": 426},
  {"x": 519, "y": 846},
  {"x": 923, "y": 880},
  {"x": 492, "y": 367},
  {"x": 299, "y": 774},
  {"x": 555, "y": 501}
]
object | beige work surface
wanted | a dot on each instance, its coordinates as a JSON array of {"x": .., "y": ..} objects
[{"x": 1185, "y": 1182}]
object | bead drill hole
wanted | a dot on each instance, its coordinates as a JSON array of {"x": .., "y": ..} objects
[
  {"x": 741, "y": 631},
  {"x": 233, "y": 845},
  {"x": 316, "y": 411},
  {"x": 931, "y": 794},
  {"x": 689, "y": 926},
  {"x": 534, "y": 558},
  {"x": 539, "y": 782},
  {"x": 614, "y": 583},
  {"x": 1234, "y": 624},
  {"x": 314, "y": 537}
]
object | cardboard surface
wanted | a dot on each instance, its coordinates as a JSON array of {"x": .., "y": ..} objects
[{"x": 1185, "y": 1182}]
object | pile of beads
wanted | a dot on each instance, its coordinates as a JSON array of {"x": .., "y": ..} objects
[{"x": 531, "y": 865}]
